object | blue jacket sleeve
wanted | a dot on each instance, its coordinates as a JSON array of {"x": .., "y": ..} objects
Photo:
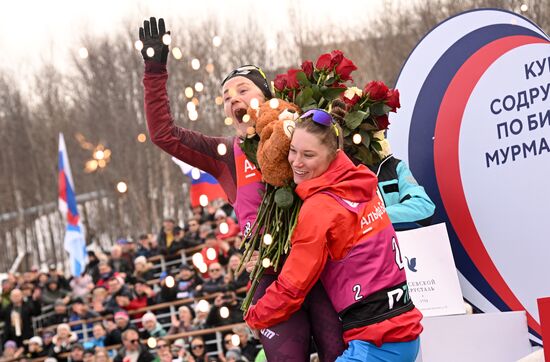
[{"x": 415, "y": 206}]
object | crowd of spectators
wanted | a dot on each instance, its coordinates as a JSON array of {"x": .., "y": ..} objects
[{"x": 80, "y": 318}]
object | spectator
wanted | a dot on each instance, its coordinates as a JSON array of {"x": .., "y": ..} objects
[
  {"x": 122, "y": 323},
  {"x": 216, "y": 282},
  {"x": 54, "y": 292},
  {"x": 43, "y": 279},
  {"x": 81, "y": 312},
  {"x": 92, "y": 268},
  {"x": 99, "y": 336},
  {"x": 118, "y": 263},
  {"x": 77, "y": 353},
  {"x": 36, "y": 348},
  {"x": 128, "y": 249},
  {"x": 199, "y": 214},
  {"x": 184, "y": 321},
  {"x": 185, "y": 285},
  {"x": 213, "y": 251},
  {"x": 226, "y": 310},
  {"x": 101, "y": 355},
  {"x": 122, "y": 300},
  {"x": 144, "y": 246},
  {"x": 168, "y": 237},
  {"x": 105, "y": 273},
  {"x": 47, "y": 341},
  {"x": 248, "y": 345},
  {"x": 154, "y": 244},
  {"x": 88, "y": 355},
  {"x": 151, "y": 328},
  {"x": 115, "y": 286},
  {"x": 198, "y": 349},
  {"x": 99, "y": 297},
  {"x": 11, "y": 350},
  {"x": 234, "y": 279},
  {"x": 81, "y": 286},
  {"x": 132, "y": 350},
  {"x": 164, "y": 354},
  {"x": 181, "y": 352},
  {"x": 204, "y": 230},
  {"x": 234, "y": 355},
  {"x": 62, "y": 340},
  {"x": 17, "y": 316},
  {"x": 60, "y": 314},
  {"x": 144, "y": 293},
  {"x": 237, "y": 243},
  {"x": 143, "y": 269},
  {"x": 202, "y": 308},
  {"x": 125, "y": 301},
  {"x": 229, "y": 230},
  {"x": 192, "y": 235},
  {"x": 7, "y": 287},
  {"x": 27, "y": 289},
  {"x": 57, "y": 275}
]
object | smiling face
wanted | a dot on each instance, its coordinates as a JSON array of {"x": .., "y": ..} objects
[
  {"x": 238, "y": 92},
  {"x": 308, "y": 157}
]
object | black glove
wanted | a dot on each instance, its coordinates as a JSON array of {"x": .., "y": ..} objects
[{"x": 151, "y": 37}]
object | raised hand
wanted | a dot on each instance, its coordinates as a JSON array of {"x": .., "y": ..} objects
[{"x": 155, "y": 40}]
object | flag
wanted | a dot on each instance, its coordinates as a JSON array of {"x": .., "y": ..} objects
[
  {"x": 74, "y": 242},
  {"x": 202, "y": 183}
]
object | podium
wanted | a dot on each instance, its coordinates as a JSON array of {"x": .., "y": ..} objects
[{"x": 498, "y": 337}]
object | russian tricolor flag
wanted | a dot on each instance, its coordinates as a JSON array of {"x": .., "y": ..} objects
[
  {"x": 202, "y": 183},
  {"x": 74, "y": 242}
]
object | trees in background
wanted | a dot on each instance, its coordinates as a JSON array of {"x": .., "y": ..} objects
[{"x": 99, "y": 103}]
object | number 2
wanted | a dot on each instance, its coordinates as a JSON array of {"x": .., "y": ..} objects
[
  {"x": 357, "y": 290},
  {"x": 398, "y": 258}
]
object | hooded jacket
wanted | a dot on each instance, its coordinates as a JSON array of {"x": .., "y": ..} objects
[{"x": 341, "y": 213}]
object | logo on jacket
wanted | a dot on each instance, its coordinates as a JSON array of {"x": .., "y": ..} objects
[
  {"x": 377, "y": 213},
  {"x": 248, "y": 168},
  {"x": 268, "y": 333}
]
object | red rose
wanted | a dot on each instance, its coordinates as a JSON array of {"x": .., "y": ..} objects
[
  {"x": 383, "y": 122},
  {"x": 280, "y": 82},
  {"x": 393, "y": 99},
  {"x": 307, "y": 67},
  {"x": 291, "y": 80},
  {"x": 323, "y": 63},
  {"x": 350, "y": 102},
  {"x": 376, "y": 90},
  {"x": 345, "y": 68},
  {"x": 336, "y": 57},
  {"x": 339, "y": 85}
]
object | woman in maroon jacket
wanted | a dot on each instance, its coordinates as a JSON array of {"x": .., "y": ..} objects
[{"x": 241, "y": 181}]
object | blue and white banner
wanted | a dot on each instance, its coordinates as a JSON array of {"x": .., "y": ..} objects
[
  {"x": 474, "y": 127},
  {"x": 74, "y": 242}
]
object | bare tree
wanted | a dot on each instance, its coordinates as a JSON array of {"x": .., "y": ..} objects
[{"x": 100, "y": 102}]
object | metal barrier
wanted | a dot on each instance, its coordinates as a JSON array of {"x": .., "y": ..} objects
[{"x": 161, "y": 263}]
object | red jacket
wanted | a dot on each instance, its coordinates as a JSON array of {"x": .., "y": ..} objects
[{"x": 323, "y": 232}]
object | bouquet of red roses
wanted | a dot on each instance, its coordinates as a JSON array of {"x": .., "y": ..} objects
[{"x": 317, "y": 85}]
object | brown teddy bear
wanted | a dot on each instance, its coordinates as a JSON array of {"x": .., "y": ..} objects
[{"x": 274, "y": 124}]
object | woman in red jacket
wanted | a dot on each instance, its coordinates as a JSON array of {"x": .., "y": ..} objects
[{"x": 344, "y": 237}]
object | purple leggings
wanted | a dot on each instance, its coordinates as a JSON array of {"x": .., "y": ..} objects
[{"x": 290, "y": 340}]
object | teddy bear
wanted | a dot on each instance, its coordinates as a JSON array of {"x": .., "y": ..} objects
[{"x": 274, "y": 123}]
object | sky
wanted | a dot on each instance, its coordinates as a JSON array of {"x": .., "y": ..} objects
[{"x": 35, "y": 31}]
